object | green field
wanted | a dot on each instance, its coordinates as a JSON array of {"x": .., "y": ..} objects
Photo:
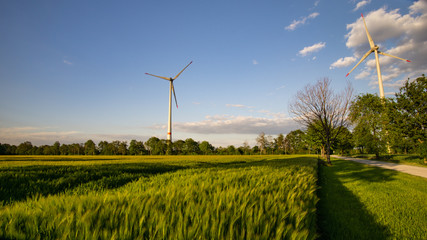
[
  {"x": 263, "y": 197},
  {"x": 206, "y": 197}
]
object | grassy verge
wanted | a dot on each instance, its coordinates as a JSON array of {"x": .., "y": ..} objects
[
  {"x": 363, "y": 202},
  {"x": 408, "y": 159},
  {"x": 268, "y": 197}
]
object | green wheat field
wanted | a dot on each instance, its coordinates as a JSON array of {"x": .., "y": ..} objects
[
  {"x": 206, "y": 197},
  {"x": 230, "y": 197}
]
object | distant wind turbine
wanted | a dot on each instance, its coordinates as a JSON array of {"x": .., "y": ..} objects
[
  {"x": 374, "y": 48},
  {"x": 171, "y": 89}
]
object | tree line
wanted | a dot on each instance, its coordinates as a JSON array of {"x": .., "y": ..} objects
[{"x": 156, "y": 146}]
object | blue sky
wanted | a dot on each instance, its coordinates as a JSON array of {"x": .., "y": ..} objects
[{"x": 75, "y": 70}]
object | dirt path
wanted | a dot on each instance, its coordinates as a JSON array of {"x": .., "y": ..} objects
[{"x": 413, "y": 170}]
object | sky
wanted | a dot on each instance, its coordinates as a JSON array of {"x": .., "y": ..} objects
[{"x": 71, "y": 71}]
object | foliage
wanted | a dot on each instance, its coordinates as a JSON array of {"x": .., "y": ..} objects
[
  {"x": 410, "y": 111},
  {"x": 217, "y": 198},
  {"x": 295, "y": 141},
  {"x": 370, "y": 119}
]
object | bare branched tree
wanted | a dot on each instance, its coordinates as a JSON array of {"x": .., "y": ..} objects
[{"x": 317, "y": 105}]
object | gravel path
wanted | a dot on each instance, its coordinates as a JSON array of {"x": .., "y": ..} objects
[{"x": 413, "y": 170}]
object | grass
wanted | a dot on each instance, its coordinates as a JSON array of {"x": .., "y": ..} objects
[
  {"x": 363, "y": 202},
  {"x": 258, "y": 197},
  {"x": 408, "y": 159}
]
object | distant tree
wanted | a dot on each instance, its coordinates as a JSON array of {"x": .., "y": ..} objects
[
  {"x": 7, "y": 149},
  {"x": 279, "y": 144},
  {"x": 24, "y": 148},
  {"x": 151, "y": 143},
  {"x": 255, "y": 150},
  {"x": 103, "y": 148},
  {"x": 136, "y": 148},
  {"x": 231, "y": 150},
  {"x": 55, "y": 149},
  {"x": 63, "y": 149},
  {"x": 122, "y": 149},
  {"x": 191, "y": 147},
  {"x": 90, "y": 148},
  {"x": 262, "y": 143},
  {"x": 178, "y": 147},
  {"x": 206, "y": 148},
  {"x": 295, "y": 141},
  {"x": 76, "y": 149},
  {"x": 46, "y": 150},
  {"x": 246, "y": 148},
  {"x": 319, "y": 103}
]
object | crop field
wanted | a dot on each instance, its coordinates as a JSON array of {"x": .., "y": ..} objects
[{"x": 190, "y": 197}]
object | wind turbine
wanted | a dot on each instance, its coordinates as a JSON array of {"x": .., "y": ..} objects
[
  {"x": 171, "y": 89},
  {"x": 375, "y": 49}
]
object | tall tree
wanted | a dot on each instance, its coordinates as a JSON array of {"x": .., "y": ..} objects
[
  {"x": 262, "y": 143},
  {"x": 369, "y": 116},
  {"x": 411, "y": 106},
  {"x": 319, "y": 103}
]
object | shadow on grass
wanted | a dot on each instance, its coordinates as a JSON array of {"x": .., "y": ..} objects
[
  {"x": 19, "y": 183},
  {"x": 341, "y": 215}
]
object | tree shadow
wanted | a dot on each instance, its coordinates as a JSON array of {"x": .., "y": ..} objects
[
  {"x": 341, "y": 215},
  {"x": 353, "y": 171}
]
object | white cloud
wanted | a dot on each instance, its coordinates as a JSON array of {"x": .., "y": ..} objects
[
  {"x": 296, "y": 23},
  {"x": 402, "y": 35},
  {"x": 316, "y": 3},
  {"x": 343, "y": 62},
  {"x": 254, "y": 62},
  {"x": 313, "y": 48},
  {"x": 68, "y": 62},
  {"x": 362, "y": 75},
  {"x": 361, "y": 4},
  {"x": 237, "y": 106},
  {"x": 239, "y": 125}
]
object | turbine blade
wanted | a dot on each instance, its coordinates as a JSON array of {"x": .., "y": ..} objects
[
  {"x": 386, "y": 54},
  {"x": 165, "y": 78},
  {"x": 173, "y": 90},
  {"x": 182, "y": 71},
  {"x": 371, "y": 42},
  {"x": 361, "y": 60}
]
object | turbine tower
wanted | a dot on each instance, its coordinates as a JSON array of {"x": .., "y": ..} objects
[
  {"x": 171, "y": 89},
  {"x": 375, "y": 49}
]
